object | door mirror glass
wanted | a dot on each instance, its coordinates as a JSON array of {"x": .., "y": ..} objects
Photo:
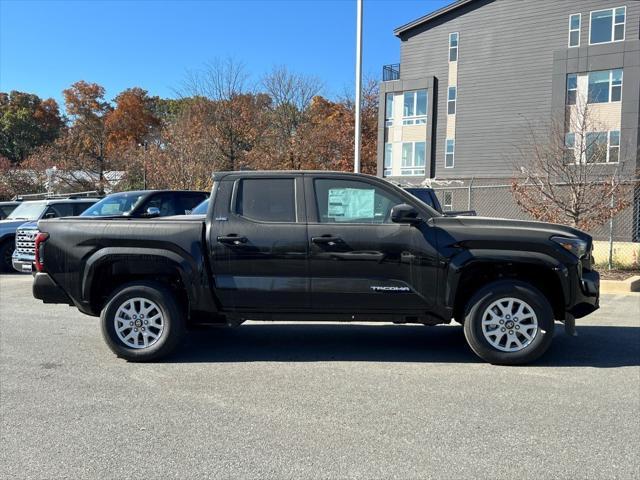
[
  {"x": 404, "y": 213},
  {"x": 153, "y": 212}
]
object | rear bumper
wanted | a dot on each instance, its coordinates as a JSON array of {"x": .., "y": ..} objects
[
  {"x": 587, "y": 299},
  {"x": 45, "y": 289}
]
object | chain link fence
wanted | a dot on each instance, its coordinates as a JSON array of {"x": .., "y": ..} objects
[{"x": 616, "y": 242}]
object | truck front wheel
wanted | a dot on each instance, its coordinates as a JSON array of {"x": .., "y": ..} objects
[
  {"x": 142, "y": 322},
  {"x": 509, "y": 322}
]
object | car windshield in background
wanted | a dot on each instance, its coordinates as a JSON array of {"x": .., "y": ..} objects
[
  {"x": 201, "y": 209},
  {"x": 114, "y": 205},
  {"x": 28, "y": 211}
]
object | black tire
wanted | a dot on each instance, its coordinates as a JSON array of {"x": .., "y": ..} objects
[
  {"x": 489, "y": 294},
  {"x": 6, "y": 250},
  {"x": 173, "y": 320}
]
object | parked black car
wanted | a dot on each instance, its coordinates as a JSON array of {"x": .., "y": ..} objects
[
  {"x": 318, "y": 246},
  {"x": 147, "y": 203}
]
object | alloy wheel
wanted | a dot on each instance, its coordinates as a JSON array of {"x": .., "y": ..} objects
[
  {"x": 138, "y": 323},
  {"x": 509, "y": 324}
]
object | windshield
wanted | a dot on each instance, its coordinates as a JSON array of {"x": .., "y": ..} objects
[
  {"x": 114, "y": 205},
  {"x": 28, "y": 211},
  {"x": 201, "y": 209}
]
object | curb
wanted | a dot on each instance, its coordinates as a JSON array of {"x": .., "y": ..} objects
[{"x": 621, "y": 286}]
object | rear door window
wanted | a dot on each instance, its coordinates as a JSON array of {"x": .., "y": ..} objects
[{"x": 267, "y": 199}]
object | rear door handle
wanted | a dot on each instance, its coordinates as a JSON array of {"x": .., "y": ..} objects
[
  {"x": 326, "y": 240},
  {"x": 232, "y": 239}
]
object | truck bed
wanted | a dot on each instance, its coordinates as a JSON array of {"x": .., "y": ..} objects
[{"x": 76, "y": 245}]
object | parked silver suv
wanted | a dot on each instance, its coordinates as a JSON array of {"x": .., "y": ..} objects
[{"x": 16, "y": 230}]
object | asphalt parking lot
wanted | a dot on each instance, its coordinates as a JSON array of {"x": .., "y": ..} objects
[{"x": 314, "y": 401}]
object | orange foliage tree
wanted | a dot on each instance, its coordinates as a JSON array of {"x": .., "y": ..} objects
[{"x": 132, "y": 122}]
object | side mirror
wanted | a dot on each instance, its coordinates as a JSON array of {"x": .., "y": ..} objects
[
  {"x": 50, "y": 215},
  {"x": 404, "y": 213},
  {"x": 153, "y": 212}
]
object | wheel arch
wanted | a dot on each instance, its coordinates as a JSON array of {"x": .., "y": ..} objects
[
  {"x": 477, "y": 270},
  {"x": 111, "y": 268}
]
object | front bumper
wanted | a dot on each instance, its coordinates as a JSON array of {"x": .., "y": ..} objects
[
  {"x": 45, "y": 289},
  {"x": 22, "y": 263},
  {"x": 587, "y": 298}
]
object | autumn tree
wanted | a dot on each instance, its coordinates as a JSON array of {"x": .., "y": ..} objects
[
  {"x": 289, "y": 116},
  {"x": 16, "y": 180},
  {"x": 330, "y": 134},
  {"x": 26, "y": 122},
  {"x": 568, "y": 174},
  {"x": 84, "y": 148},
  {"x": 132, "y": 122},
  {"x": 184, "y": 157},
  {"x": 235, "y": 116}
]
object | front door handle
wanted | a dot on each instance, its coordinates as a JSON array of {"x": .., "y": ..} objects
[
  {"x": 326, "y": 240},
  {"x": 232, "y": 239}
]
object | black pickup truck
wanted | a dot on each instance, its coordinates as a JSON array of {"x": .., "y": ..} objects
[{"x": 318, "y": 246}]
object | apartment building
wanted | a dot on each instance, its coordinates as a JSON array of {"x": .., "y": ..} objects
[{"x": 475, "y": 76}]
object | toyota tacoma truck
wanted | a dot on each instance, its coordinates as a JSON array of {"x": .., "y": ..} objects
[{"x": 318, "y": 246}]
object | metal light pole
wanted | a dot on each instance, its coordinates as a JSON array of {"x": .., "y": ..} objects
[{"x": 356, "y": 153}]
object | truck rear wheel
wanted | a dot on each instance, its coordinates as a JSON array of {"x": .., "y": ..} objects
[
  {"x": 142, "y": 322},
  {"x": 509, "y": 323}
]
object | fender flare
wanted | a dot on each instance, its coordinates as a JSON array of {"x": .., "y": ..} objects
[
  {"x": 459, "y": 263},
  {"x": 185, "y": 268}
]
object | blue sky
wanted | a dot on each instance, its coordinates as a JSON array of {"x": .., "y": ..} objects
[{"x": 47, "y": 45}]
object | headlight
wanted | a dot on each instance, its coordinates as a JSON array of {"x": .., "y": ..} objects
[{"x": 574, "y": 245}]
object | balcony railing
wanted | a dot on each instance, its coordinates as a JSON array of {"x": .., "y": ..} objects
[{"x": 391, "y": 72}]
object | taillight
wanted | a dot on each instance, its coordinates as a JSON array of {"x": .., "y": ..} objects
[{"x": 39, "y": 246}]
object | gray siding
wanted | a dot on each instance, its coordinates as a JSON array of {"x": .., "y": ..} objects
[{"x": 505, "y": 74}]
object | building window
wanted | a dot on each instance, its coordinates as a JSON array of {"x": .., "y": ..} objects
[
  {"x": 453, "y": 47},
  {"x": 607, "y": 25},
  {"x": 605, "y": 86},
  {"x": 388, "y": 159},
  {"x": 614, "y": 146},
  {"x": 449, "y": 152},
  {"x": 570, "y": 148},
  {"x": 603, "y": 147},
  {"x": 415, "y": 108},
  {"x": 451, "y": 100},
  {"x": 447, "y": 201},
  {"x": 574, "y": 30},
  {"x": 572, "y": 88},
  {"x": 388, "y": 122},
  {"x": 413, "y": 158}
]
